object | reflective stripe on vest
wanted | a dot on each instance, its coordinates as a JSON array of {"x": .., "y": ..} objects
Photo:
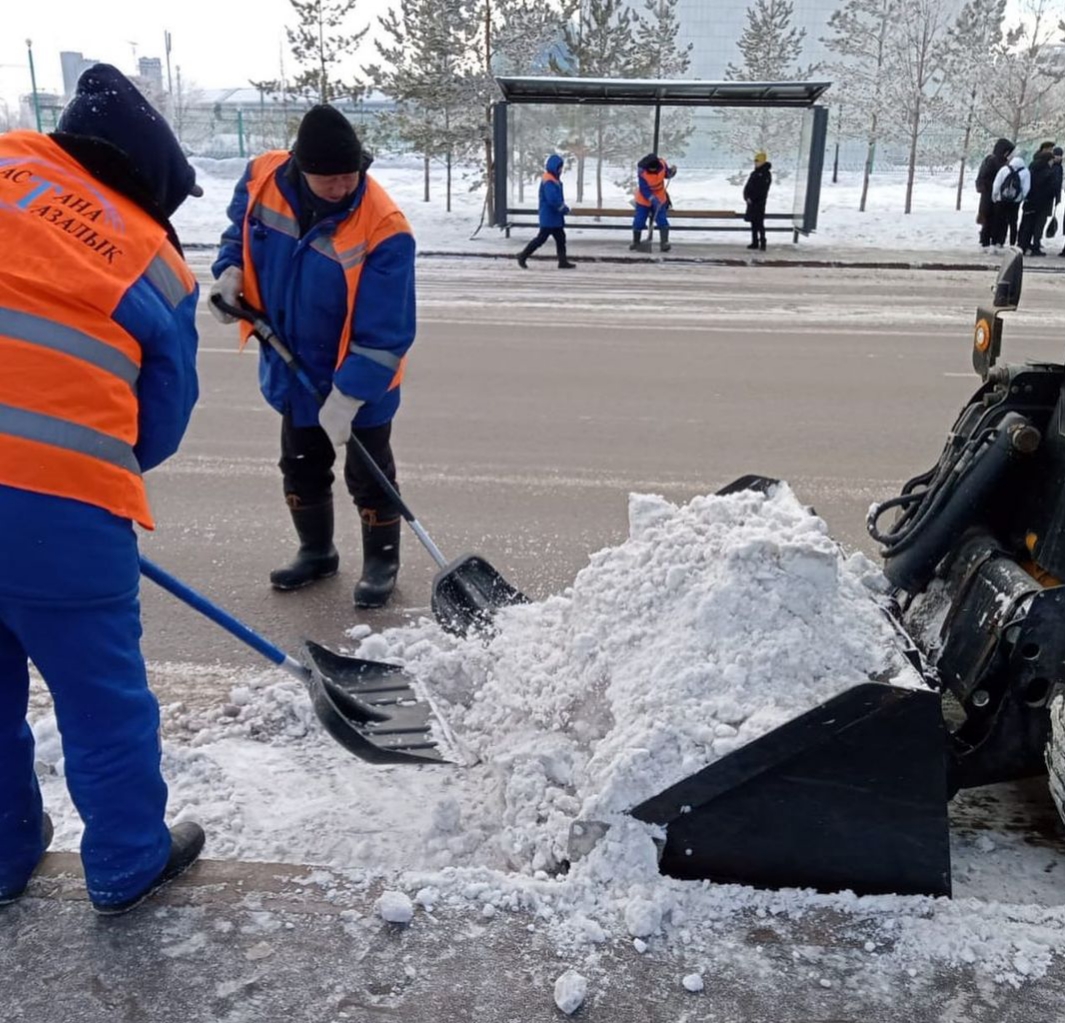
[
  {"x": 374, "y": 220},
  {"x": 68, "y": 391}
]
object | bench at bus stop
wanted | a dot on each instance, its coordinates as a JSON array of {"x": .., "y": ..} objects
[{"x": 600, "y": 217}]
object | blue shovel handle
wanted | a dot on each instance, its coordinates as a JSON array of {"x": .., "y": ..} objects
[{"x": 232, "y": 625}]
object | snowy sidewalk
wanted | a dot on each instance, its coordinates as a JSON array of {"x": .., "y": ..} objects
[{"x": 259, "y": 941}]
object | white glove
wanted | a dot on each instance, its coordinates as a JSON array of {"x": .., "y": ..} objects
[
  {"x": 337, "y": 414},
  {"x": 228, "y": 288}
]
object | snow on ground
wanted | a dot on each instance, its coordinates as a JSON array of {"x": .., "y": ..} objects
[
  {"x": 711, "y": 624},
  {"x": 934, "y": 225}
]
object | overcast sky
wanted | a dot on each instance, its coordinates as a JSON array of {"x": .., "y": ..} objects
[{"x": 217, "y": 43}]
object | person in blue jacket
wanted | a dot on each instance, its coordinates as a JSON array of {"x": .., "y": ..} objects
[
  {"x": 553, "y": 210},
  {"x": 316, "y": 244},
  {"x": 98, "y": 344}
]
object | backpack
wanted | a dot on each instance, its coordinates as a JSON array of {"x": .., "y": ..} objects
[{"x": 1011, "y": 187}]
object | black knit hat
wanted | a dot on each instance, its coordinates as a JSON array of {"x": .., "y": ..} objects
[
  {"x": 108, "y": 106},
  {"x": 326, "y": 143}
]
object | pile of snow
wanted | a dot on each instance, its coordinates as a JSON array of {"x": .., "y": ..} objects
[{"x": 714, "y": 622}]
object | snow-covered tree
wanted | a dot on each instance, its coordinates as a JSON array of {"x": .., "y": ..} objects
[
  {"x": 321, "y": 44},
  {"x": 599, "y": 43},
  {"x": 426, "y": 52},
  {"x": 657, "y": 36},
  {"x": 1025, "y": 71},
  {"x": 917, "y": 60},
  {"x": 771, "y": 46},
  {"x": 858, "y": 39},
  {"x": 976, "y": 33}
]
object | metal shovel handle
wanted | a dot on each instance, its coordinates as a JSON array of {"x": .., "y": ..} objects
[{"x": 262, "y": 330}]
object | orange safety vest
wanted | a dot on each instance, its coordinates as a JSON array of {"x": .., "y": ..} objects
[
  {"x": 374, "y": 220},
  {"x": 68, "y": 389},
  {"x": 656, "y": 181}
]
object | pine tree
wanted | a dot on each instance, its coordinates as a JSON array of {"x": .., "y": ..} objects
[
  {"x": 771, "y": 47},
  {"x": 658, "y": 39},
  {"x": 976, "y": 32},
  {"x": 426, "y": 53},
  {"x": 859, "y": 38},
  {"x": 320, "y": 46},
  {"x": 601, "y": 43}
]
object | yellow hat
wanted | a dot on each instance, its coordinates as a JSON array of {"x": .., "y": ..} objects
[{"x": 760, "y": 157}]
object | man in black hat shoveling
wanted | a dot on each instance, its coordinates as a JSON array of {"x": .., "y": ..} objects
[{"x": 317, "y": 246}]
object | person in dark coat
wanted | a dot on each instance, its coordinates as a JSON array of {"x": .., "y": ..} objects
[
  {"x": 755, "y": 193},
  {"x": 552, "y": 215},
  {"x": 1040, "y": 202},
  {"x": 985, "y": 178}
]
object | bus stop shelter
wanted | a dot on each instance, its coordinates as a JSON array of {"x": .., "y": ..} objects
[{"x": 564, "y": 91}]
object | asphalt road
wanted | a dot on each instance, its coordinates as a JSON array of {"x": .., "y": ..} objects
[{"x": 535, "y": 402}]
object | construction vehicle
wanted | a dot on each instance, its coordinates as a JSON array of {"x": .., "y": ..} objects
[{"x": 853, "y": 795}]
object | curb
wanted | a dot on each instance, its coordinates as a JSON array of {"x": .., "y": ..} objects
[{"x": 811, "y": 262}]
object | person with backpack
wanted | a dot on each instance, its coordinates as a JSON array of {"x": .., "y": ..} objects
[
  {"x": 1039, "y": 203},
  {"x": 998, "y": 158},
  {"x": 1009, "y": 190}
]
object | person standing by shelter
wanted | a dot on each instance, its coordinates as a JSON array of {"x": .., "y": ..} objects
[
  {"x": 552, "y": 215},
  {"x": 756, "y": 194},
  {"x": 1008, "y": 191},
  {"x": 652, "y": 199},
  {"x": 985, "y": 180}
]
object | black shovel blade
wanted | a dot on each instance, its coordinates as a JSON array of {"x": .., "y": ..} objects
[
  {"x": 370, "y": 708},
  {"x": 467, "y": 594}
]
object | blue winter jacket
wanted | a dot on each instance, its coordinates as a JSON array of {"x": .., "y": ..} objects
[
  {"x": 305, "y": 295},
  {"x": 553, "y": 208}
]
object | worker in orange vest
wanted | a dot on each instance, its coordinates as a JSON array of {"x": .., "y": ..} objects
[
  {"x": 98, "y": 348},
  {"x": 321, "y": 249},
  {"x": 652, "y": 199}
]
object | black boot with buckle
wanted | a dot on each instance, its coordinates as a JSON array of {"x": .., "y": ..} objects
[{"x": 380, "y": 559}]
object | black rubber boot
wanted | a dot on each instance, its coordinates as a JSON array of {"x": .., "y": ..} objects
[
  {"x": 523, "y": 257},
  {"x": 636, "y": 236},
  {"x": 317, "y": 558},
  {"x": 380, "y": 560},
  {"x": 761, "y": 245},
  {"x": 565, "y": 264},
  {"x": 186, "y": 844},
  {"x": 47, "y": 833},
  {"x": 663, "y": 236}
]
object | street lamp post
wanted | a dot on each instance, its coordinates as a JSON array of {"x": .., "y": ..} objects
[{"x": 33, "y": 81}]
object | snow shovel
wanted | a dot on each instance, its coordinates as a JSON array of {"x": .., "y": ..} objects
[
  {"x": 369, "y": 707},
  {"x": 467, "y": 591}
]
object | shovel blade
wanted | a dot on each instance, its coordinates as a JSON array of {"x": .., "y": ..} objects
[
  {"x": 371, "y": 708},
  {"x": 468, "y": 592}
]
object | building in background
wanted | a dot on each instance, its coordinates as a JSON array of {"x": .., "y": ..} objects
[{"x": 73, "y": 63}]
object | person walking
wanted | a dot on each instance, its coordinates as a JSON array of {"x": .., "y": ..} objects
[
  {"x": 321, "y": 249},
  {"x": 652, "y": 199},
  {"x": 1008, "y": 191},
  {"x": 1039, "y": 203},
  {"x": 98, "y": 343},
  {"x": 998, "y": 158},
  {"x": 552, "y": 215},
  {"x": 755, "y": 194}
]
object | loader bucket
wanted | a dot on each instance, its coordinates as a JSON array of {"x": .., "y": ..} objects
[{"x": 851, "y": 796}]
